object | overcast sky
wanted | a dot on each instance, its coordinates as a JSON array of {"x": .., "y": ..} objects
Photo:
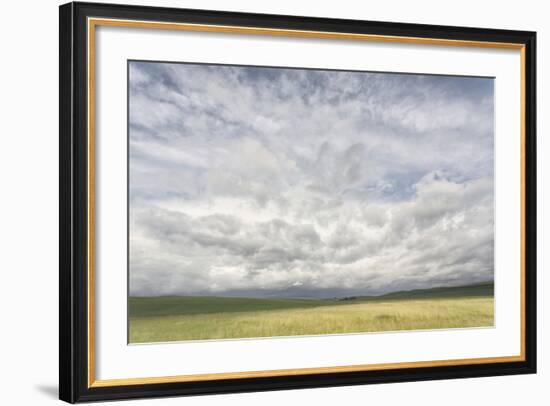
[{"x": 290, "y": 182}]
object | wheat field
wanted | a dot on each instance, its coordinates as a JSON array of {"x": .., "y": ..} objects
[{"x": 200, "y": 318}]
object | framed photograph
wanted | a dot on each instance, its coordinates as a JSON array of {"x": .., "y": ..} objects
[{"x": 256, "y": 202}]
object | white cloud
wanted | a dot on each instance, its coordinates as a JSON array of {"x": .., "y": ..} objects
[{"x": 266, "y": 181}]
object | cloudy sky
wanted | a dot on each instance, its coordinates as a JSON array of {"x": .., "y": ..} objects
[{"x": 291, "y": 182}]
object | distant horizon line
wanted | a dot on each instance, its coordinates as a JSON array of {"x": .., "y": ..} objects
[{"x": 487, "y": 282}]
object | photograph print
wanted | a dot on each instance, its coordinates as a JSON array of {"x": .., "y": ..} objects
[{"x": 275, "y": 201}]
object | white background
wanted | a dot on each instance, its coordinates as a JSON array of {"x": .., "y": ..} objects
[{"x": 29, "y": 221}]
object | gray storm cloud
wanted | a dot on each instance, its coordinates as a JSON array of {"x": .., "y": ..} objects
[{"x": 268, "y": 181}]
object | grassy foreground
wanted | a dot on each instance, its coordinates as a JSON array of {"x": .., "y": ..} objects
[{"x": 177, "y": 318}]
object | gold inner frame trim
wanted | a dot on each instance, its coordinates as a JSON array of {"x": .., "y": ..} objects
[
  {"x": 94, "y": 22},
  {"x": 299, "y": 371}
]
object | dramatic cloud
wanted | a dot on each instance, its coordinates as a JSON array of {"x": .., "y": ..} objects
[{"x": 265, "y": 181}]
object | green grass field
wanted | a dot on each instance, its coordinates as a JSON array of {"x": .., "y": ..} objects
[{"x": 177, "y": 318}]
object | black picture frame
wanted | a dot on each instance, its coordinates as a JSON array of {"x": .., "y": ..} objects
[{"x": 74, "y": 385}]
